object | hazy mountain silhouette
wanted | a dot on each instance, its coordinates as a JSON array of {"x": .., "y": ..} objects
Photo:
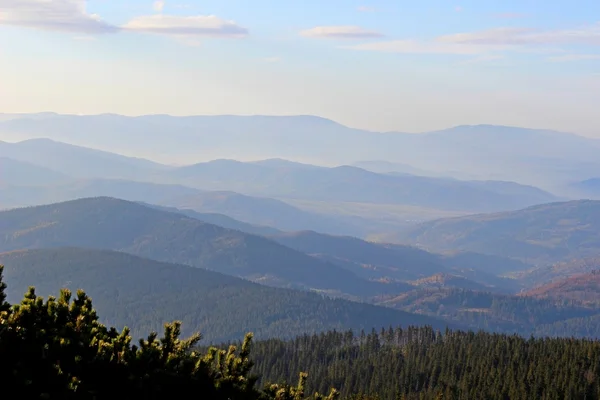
[
  {"x": 77, "y": 161},
  {"x": 14, "y": 172},
  {"x": 352, "y": 184},
  {"x": 532, "y": 156}
]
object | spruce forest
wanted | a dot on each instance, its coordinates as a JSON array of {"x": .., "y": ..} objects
[{"x": 57, "y": 349}]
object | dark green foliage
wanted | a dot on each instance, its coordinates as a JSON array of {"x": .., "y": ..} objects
[
  {"x": 142, "y": 294},
  {"x": 421, "y": 363},
  {"x": 113, "y": 224},
  {"x": 57, "y": 349}
]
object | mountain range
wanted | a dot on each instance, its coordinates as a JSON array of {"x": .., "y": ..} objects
[
  {"x": 269, "y": 178},
  {"x": 482, "y": 152},
  {"x": 112, "y": 224},
  {"x": 73, "y": 241},
  {"x": 144, "y": 294},
  {"x": 352, "y": 184},
  {"x": 540, "y": 234}
]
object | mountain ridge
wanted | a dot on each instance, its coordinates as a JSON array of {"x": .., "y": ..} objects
[{"x": 113, "y": 224}]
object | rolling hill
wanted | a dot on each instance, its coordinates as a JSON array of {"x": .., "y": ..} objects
[
  {"x": 143, "y": 294},
  {"x": 352, "y": 184},
  {"x": 108, "y": 223},
  {"x": 257, "y": 211},
  {"x": 14, "y": 172},
  {"x": 380, "y": 261},
  {"x": 562, "y": 270},
  {"x": 541, "y": 234},
  {"x": 532, "y": 156},
  {"x": 500, "y": 313},
  {"x": 589, "y": 188},
  {"x": 266, "y": 212},
  {"x": 366, "y": 259},
  {"x": 20, "y": 195},
  {"x": 581, "y": 288},
  {"x": 77, "y": 161},
  {"x": 220, "y": 220}
]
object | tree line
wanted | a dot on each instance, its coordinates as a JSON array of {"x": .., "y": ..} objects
[
  {"x": 57, "y": 349},
  {"x": 423, "y": 363}
]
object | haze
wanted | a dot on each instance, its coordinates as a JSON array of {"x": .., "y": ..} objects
[{"x": 378, "y": 65}]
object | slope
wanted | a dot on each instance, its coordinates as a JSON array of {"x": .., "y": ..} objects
[
  {"x": 76, "y": 161},
  {"x": 379, "y": 261},
  {"x": 143, "y": 294},
  {"x": 108, "y": 223},
  {"x": 14, "y": 172},
  {"x": 529, "y": 156},
  {"x": 220, "y": 220},
  {"x": 366, "y": 259},
  {"x": 352, "y": 184},
  {"x": 584, "y": 288},
  {"x": 264, "y": 211},
  {"x": 540, "y": 234},
  {"x": 19, "y": 195}
]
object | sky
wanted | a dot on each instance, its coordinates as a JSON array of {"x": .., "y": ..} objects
[{"x": 381, "y": 65}]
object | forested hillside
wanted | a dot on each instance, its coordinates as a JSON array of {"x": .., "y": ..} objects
[
  {"x": 540, "y": 234},
  {"x": 108, "y": 223},
  {"x": 420, "y": 363},
  {"x": 142, "y": 294},
  {"x": 57, "y": 349},
  {"x": 555, "y": 316}
]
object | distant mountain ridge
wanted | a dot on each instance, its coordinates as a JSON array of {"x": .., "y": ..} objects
[
  {"x": 278, "y": 178},
  {"x": 540, "y": 234},
  {"x": 584, "y": 288},
  {"x": 352, "y": 184},
  {"x": 78, "y": 161},
  {"x": 531, "y": 156},
  {"x": 15, "y": 172}
]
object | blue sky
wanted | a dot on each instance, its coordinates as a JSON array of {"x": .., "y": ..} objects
[{"x": 381, "y": 65}]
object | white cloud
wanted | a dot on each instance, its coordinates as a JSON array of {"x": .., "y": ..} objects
[
  {"x": 522, "y": 40},
  {"x": 523, "y": 36},
  {"x": 194, "y": 26},
  {"x": 491, "y": 37},
  {"x": 509, "y": 15},
  {"x": 416, "y": 47},
  {"x": 71, "y": 16},
  {"x": 574, "y": 57},
  {"x": 340, "y": 32},
  {"x": 158, "y": 5},
  {"x": 56, "y": 15},
  {"x": 366, "y": 9}
]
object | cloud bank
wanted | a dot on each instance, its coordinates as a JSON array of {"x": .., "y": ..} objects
[
  {"x": 57, "y": 15},
  {"x": 492, "y": 40},
  {"x": 71, "y": 16},
  {"x": 201, "y": 25},
  {"x": 340, "y": 32}
]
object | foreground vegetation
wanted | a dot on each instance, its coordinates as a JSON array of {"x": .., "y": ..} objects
[
  {"x": 57, "y": 349},
  {"x": 421, "y": 363}
]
